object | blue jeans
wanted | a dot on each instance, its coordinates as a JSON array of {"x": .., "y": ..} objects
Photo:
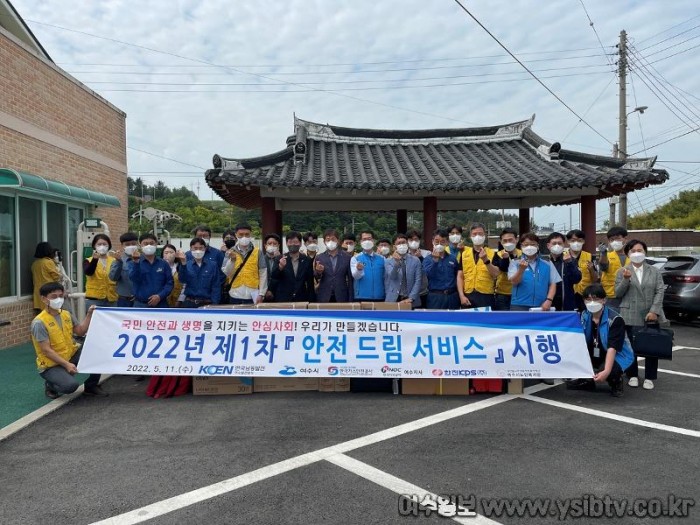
[
  {"x": 124, "y": 303},
  {"x": 60, "y": 381},
  {"x": 440, "y": 301}
]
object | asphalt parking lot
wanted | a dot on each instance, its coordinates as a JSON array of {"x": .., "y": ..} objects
[{"x": 312, "y": 457}]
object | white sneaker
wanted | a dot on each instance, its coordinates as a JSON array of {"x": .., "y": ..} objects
[
  {"x": 633, "y": 382},
  {"x": 648, "y": 384}
]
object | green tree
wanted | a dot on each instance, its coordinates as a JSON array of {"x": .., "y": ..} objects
[{"x": 681, "y": 212}]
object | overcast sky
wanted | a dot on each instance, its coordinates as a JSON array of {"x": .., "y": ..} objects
[{"x": 198, "y": 77}]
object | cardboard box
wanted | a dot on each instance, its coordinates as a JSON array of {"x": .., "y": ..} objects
[
  {"x": 368, "y": 305},
  {"x": 334, "y": 384},
  {"x": 283, "y": 306},
  {"x": 284, "y": 384},
  {"x": 435, "y": 387},
  {"x": 515, "y": 386},
  {"x": 334, "y": 306},
  {"x": 228, "y": 307},
  {"x": 218, "y": 385}
]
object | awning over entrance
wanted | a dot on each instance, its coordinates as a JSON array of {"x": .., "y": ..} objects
[{"x": 28, "y": 183}]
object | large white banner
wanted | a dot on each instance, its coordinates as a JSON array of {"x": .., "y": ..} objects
[{"x": 311, "y": 343}]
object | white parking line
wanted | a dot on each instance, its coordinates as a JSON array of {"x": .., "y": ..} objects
[
  {"x": 675, "y": 373},
  {"x": 399, "y": 486},
  {"x": 615, "y": 417},
  {"x": 217, "y": 489}
]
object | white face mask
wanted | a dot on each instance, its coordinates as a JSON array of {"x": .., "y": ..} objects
[
  {"x": 367, "y": 245},
  {"x": 149, "y": 249},
  {"x": 244, "y": 242},
  {"x": 56, "y": 303},
  {"x": 271, "y": 250},
  {"x": 331, "y": 245},
  {"x": 556, "y": 249},
  {"x": 198, "y": 254},
  {"x": 350, "y": 248},
  {"x": 594, "y": 306},
  {"x": 413, "y": 245},
  {"x": 478, "y": 240},
  {"x": 637, "y": 257},
  {"x": 57, "y": 260},
  {"x": 576, "y": 246},
  {"x": 402, "y": 249},
  {"x": 439, "y": 248},
  {"x": 384, "y": 250},
  {"x": 312, "y": 247},
  {"x": 509, "y": 246},
  {"x": 102, "y": 249},
  {"x": 455, "y": 238},
  {"x": 206, "y": 240},
  {"x": 170, "y": 257},
  {"x": 129, "y": 250},
  {"x": 616, "y": 246},
  {"x": 530, "y": 250}
]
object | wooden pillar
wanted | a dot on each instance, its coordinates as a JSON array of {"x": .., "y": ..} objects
[
  {"x": 588, "y": 222},
  {"x": 269, "y": 216},
  {"x": 278, "y": 222},
  {"x": 429, "y": 220},
  {"x": 524, "y": 221},
  {"x": 401, "y": 221}
]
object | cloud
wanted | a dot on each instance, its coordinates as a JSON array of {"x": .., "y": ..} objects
[{"x": 271, "y": 42}]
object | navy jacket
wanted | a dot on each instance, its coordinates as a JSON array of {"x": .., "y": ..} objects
[
  {"x": 289, "y": 288},
  {"x": 338, "y": 282}
]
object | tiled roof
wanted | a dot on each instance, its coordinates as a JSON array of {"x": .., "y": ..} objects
[{"x": 497, "y": 158}]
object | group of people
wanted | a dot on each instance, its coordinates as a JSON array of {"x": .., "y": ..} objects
[{"x": 615, "y": 290}]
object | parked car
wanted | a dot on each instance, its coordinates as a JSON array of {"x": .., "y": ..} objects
[
  {"x": 658, "y": 262},
  {"x": 681, "y": 274}
]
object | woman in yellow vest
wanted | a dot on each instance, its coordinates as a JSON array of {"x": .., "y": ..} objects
[
  {"x": 44, "y": 270},
  {"x": 99, "y": 289},
  {"x": 476, "y": 279},
  {"x": 174, "y": 299},
  {"x": 575, "y": 240}
]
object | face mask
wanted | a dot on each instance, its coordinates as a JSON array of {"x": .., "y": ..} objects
[
  {"x": 455, "y": 238},
  {"x": 331, "y": 245},
  {"x": 478, "y": 239},
  {"x": 367, "y": 245},
  {"x": 149, "y": 250},
  {"x": 556, "y": 249},
  {"x": 206, "y": 241},
  {"x": 57, "y": 260},
  {"x": 439, "y": 248},
  {"x": 130, "y": 250},
  {"x": 350, "y": 248},
  {"x": 509, "y": 246},
  {"x": 402, "y": 249},
  {"x": 56, "y": 303},
  {"x": 413, "y": 245},
  {"x": 637, "y": 257},
  {"x": 530, "y": 250},
  {"x": 384, "y": 250},
  {"x": 313, "y": 247},
  {"x": 230, "y": 243},
  {"x": 616, "y": 246},
  {"x": 293, "y": 248},
  {"x": 198, "y": 254},
  {"x": 271, "y": 250},
  {"x": 593, "y": 306},
  {"x": 101, "y": 249},
  {"x": 576, "y": 246},
  {"x": 170, "y": 257},
  {"x": 244, "y": 242}
]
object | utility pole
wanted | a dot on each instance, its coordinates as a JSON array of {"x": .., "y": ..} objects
[{"x": 622, "y": 148}]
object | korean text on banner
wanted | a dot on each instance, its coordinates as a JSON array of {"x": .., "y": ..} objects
[{"x": 304, "y": 343}]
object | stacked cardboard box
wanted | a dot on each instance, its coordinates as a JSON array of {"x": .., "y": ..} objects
[
  {"x": 284, "y": 384},
  {"x": 435, "y": 387},
  {"x": 217, "y": 385}
]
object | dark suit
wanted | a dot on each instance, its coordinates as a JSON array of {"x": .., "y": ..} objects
[
  {"x": 336, "y": 283},
  {"x": 288, "y": 287}
]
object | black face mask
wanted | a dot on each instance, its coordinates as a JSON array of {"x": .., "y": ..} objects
[
  {"x": 230, "y": 243},
  {"x": 294, "y": 248}
]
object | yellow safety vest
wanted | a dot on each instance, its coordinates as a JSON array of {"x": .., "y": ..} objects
[
  {"x": 607, "y": 278},
  {"x": 477, "y": 276},
  {"x": 583, "y": 259},
  {"x": 98, "y": 285},
  {"x": 177, "y": 290},
  {"x": 249, "y": 275},
  {"x": 503, "y": 284},
  {"x": 61, "y": 339}
]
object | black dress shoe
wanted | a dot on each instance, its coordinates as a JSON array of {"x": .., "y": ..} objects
[
  {"x": 51, "y": 394},
  {"x": 580, "y": 384},
  {"x": 95, "y": 390}
]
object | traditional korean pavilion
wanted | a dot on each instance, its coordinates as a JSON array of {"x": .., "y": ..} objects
[{"x": 326, "y": 167}]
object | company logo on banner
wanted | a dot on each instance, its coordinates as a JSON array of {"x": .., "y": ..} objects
[{"x": 305, "y": 343}]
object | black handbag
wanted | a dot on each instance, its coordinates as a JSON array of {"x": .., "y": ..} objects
[{"x": 651, "y": 340}]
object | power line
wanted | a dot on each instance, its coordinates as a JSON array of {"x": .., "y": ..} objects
[
  {"x": 165, "y": 158},
  {"x": 531, "y": 73},
  {"x": 669, "y": 140},
  {"x": 675, "y": 54},
  {"x": 589, "y": 108},
  {"x": 590, "y": 22},
  {"x": 671, "y": 37},
  {"x": 669, "y": 29}
]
